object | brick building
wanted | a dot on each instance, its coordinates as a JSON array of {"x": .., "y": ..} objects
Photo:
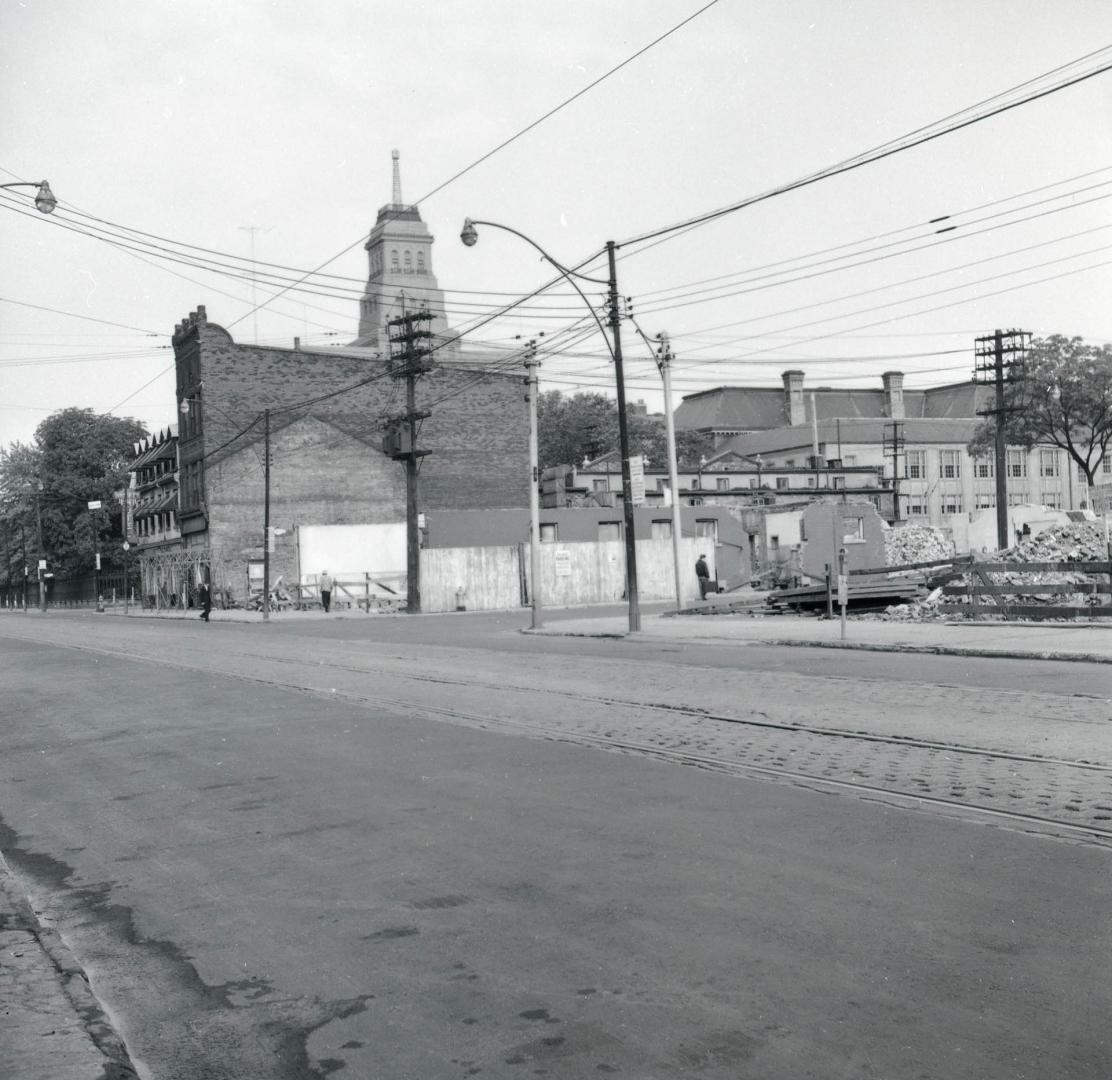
[{"x": 326, "y": 411}]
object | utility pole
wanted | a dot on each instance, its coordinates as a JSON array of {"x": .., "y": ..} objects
[
  {"x": 992, "y": 368},
  {"x": 266, "y": 515},
  {"x": 127, "y": 548},
  {"x": 893, "y": 445},
  {"x": 664, "y": 362},
  {"x": 531, "y": 365},
  {"x": 623, "y": 441},
  {"x": 410, "y": 357},
  {"x": 41, "y": 549}
]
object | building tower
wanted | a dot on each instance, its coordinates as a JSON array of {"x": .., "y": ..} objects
[{"x": 400, "y": 279}]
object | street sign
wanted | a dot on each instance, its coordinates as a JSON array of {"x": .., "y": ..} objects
[
  {"x": 95, "y": 504},
  {"x": 98, "y": 560},
  {"x": 42, "y": 564}
]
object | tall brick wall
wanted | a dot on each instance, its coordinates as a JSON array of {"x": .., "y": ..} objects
[{"x": 328, "y": 464}]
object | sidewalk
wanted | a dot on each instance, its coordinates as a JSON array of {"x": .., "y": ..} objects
[
  {"x": 1089, "y": 642},
  {"x": 51, "y": 1025}
]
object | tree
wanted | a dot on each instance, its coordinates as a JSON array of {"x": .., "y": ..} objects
[
  {"x": 1063, "y": 396},
  {"x": 585, "y": 426},
  {"x": 77, "y": 456}
]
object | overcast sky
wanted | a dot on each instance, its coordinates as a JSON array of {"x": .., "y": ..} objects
[{"x": 271, "y": 124}]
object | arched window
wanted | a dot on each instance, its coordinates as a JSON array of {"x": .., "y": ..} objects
[
  {"x": 420, "y": 262},
  {"x": 409, "y": 262},
  {"x": 394, "y": 259}
]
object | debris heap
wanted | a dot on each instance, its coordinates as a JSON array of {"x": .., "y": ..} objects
[
  {"x": 1079, "y": 542},
  {"x": 914, "y": 544}
]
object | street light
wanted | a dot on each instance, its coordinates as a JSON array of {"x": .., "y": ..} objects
[
  {"x": 469, "y": 235},
  {"x": 44, "y": 197}
]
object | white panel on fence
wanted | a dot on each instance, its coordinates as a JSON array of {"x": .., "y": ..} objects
[{"x": 351, "y": 551}]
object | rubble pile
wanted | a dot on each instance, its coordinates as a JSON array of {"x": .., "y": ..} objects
[
  {"x": 1075, "y": 542},
  {"x": 1081, "y": 541},
  {"x": 915, "y": 543}
]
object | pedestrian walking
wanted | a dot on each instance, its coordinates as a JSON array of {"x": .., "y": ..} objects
[
  {"x": 205, "y": 595},
  {"x": 702, "y": 572},
  {"x": 325, "y": 583}
]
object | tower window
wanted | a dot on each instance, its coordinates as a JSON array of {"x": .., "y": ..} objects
[
  {"x": 394, "y": 264},
  {"x": 408, "y": 262},
  {"x": 420, "y": 262}
]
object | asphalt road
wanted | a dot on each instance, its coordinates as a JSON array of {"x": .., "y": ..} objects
[{"x": 397, "y": 848}]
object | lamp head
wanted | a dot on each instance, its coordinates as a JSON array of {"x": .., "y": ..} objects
[
  {"x": 469, "y": 236},
  {"x": 44, "y": 199}
]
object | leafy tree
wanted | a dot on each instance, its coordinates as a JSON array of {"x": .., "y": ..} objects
[
  {"x": 1063, "y": 397},
  {"x": 77, "y": 456},
  {"x": 585, "y": 426}
]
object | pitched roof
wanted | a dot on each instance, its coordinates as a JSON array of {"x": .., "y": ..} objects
[
  {"x": 866, "y": 430},
  {"x": 759, "y": 408}
]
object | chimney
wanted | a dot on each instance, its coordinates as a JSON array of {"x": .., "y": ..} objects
[
  {"x": 894, "y": 394},
  {"x": 793, "y": 397}
]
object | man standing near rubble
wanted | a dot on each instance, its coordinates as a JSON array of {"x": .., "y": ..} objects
[
  {"x": 702, "y": 572},
  {"x": 325, "y": 583}
]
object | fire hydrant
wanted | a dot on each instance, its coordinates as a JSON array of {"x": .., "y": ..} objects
[{"x": 460, "y": 593}]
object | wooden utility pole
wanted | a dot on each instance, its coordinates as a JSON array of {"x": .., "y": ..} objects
[
  {"x": 992, "y": 368},
  {"x": 410, "y": 357},
  {"x": 531, "y": 365},
  {"x": 893, "y": 445},
  {"x": 266, "y": 515}
]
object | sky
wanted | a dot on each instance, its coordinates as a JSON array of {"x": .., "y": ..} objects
[{"x": 172, "y": 130}]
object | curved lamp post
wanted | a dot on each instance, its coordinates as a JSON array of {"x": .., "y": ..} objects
[
  {"x": 469, "y": 235},
  {"x": 44, "y": 197}
]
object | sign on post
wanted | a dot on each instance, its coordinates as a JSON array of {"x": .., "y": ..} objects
[{"x": 637, "y": 478}]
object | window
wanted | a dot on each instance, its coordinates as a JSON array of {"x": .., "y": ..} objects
[
  {"x": 609, "y": 530},
  {"x": 949, "y": 464},
  {"x": 752, "y": 481},
  {"x": 916, "y": 464},
  {"x": 1018, "y": 498},
  {"x": 984, "y": 468},
  {"x": 598, "y": 485},
  {"x": 1052, "y": 500},
  {"x": 984, "y": 500},
  {"x": 420, "y": 262},
  {"x": 662, "y": 484},
  {"x": 409, "y": 262},
  {"x": 1017, "y": 464},
  {"x": 707, "y": 529},
  {"x": 548, "y": 534},
  {"x": 723, "y": 483},
  {"x": 839, "y": 483},
  {"x": 1048, "y": 463},
  {"x": 394, "y": 263},
  {"x": 916, "y": 506},
  {"x": 951, "y": 503},
  {"x": 781, "y": 481},
  {"x": 662, "y": 530},
  {"x": 790, "y": 463},
  {"x": 1106, "y": 464},
  {"x": 810, "y": 481}
]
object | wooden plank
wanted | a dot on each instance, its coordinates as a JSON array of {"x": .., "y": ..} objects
[
  {"x": 1050, "y": 589},
  {"x": 1044, "y": 567},
  {"x": 1028, "y": 611},
  {"x": 914, "y": 565}
]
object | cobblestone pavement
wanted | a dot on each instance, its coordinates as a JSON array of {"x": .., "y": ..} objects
[{"x": 1048, "y": 755}]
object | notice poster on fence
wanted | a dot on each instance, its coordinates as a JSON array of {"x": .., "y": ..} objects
[{"x": 563, "y": 562}]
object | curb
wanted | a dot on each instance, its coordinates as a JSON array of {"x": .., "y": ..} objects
[
  {"x": 859, "y": 646},
  {"x": 70, "y": 977}
]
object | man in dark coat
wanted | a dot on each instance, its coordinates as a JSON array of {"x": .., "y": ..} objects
[
  {"x": 703, "y": 574},
  {"x": 205, "y": 596}
]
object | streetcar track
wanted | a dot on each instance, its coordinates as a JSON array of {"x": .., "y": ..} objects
[
  {"x": 759, "y": 720},
  {"x": 672, "y": 755}
]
